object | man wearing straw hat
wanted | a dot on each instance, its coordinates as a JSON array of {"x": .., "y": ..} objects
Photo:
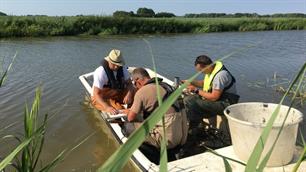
[
  {"x": 211, "y": 95},
  {"x": 112, "y": 86}
]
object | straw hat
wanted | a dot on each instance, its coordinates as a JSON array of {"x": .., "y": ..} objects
[{"x": 115, "y": 57}]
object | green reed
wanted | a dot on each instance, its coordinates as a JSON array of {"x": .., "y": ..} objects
[
  {"x": 32, "y": 26},
  {"x": 302, "y": 156},
  {"x": 4, "y": 72},
  {"x": 31, "y": 144},
  {"x": 26, "y": 156},
  {"x": 163, "y": 148}
]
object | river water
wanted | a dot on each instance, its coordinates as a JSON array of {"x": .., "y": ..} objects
[{"x": 55, "y": 64}]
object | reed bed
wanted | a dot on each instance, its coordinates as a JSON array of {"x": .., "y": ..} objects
[{"x": 34, "y": 26}]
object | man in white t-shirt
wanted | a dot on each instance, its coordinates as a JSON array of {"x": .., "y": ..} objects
[{"x": 112, "y": 85}]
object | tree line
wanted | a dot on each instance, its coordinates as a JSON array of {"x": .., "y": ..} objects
[
  {"x": 237, "y": 15},
  {"x": 143, "y": 12},
  {"x": 147, "y": 12}
]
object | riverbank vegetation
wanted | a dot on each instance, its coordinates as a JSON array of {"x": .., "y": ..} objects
[{"x": 32, "y": 26}]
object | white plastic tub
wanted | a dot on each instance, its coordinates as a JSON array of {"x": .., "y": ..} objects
[{"x": 246, "y": 122}]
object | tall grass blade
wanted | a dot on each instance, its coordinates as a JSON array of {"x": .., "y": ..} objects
[
  {"x": 25, "y": 152},
  {"x": 6, "y": 161},
  {"x": 32, "y": 145},
  {"x": 225, "y": 159},
  {"x": 4, "y": 75},
  {"x": 302, "y": 156},
  {"x": 28, "y": 158},
  {"x": 258, "y": 149},
  {"x": 227, "y": 166},
  {"x": 52, "y": 165},
  {"x": 302, "y": 138},
  {"x": 63, "y": 155},
  {"x": 41, "y": 144},
  {"x": 163, "y": 148}
]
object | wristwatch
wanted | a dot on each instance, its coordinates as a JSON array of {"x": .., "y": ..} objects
[{"x": 196, "y": 91}]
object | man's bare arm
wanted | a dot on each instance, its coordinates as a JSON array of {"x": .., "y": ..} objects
[
  {"x": 197, "y": 83},
  {"x": 213, "y": 96},
  {"x": 100, "y": 100},
  {"x": 131, "y": 116}
]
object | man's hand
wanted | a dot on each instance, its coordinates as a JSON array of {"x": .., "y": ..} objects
[
  {"x": 111, "y": 110},
  {"x": 191, "y": 88},
  {"x": 197, "y": 83},
  {"x": 128, "y": 98},
  {"x": 125, "y": 111},
  {"x": 183, "y": 81}
]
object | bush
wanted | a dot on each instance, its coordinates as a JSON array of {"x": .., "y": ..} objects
[
  {"x": 123, "y": 14},
  {"x": 164, "y": 15},
  {"x": 145, "y": 12}
]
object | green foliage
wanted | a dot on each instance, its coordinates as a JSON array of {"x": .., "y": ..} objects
[
  {"x": 238, "y": 15},
  {"x": 164, "y": 15},
  {"x": 145, "y": 12},
  {"x": 123, "y": 14},
  {"x": 7, "y": 161},
  {"x": 163, "y": 148},
  {"x": 33, "y": 141},
  {"x": 3, "y": 74},
  {"x": 302, "y": 156},
  {"x": 21, "y": 26},
  {"x": 208, "y": 15},
  {"x": 31, "y": 145}
]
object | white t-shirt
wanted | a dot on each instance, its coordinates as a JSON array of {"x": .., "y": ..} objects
[{"x": 100, "y": 78}]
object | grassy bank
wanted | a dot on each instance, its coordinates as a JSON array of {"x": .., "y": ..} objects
[{"x": 21, "y": 26}]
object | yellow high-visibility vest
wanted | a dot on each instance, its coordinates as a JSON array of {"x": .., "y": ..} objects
[{"x": 208, "y": 78}]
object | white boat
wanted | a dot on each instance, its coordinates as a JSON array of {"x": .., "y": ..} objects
[
  {"x": 138, "y": 158},
  {"x": 201, "y": 162}
]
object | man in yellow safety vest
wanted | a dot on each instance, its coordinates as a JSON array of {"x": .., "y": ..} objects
[{"x": 211, "y": 95}]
